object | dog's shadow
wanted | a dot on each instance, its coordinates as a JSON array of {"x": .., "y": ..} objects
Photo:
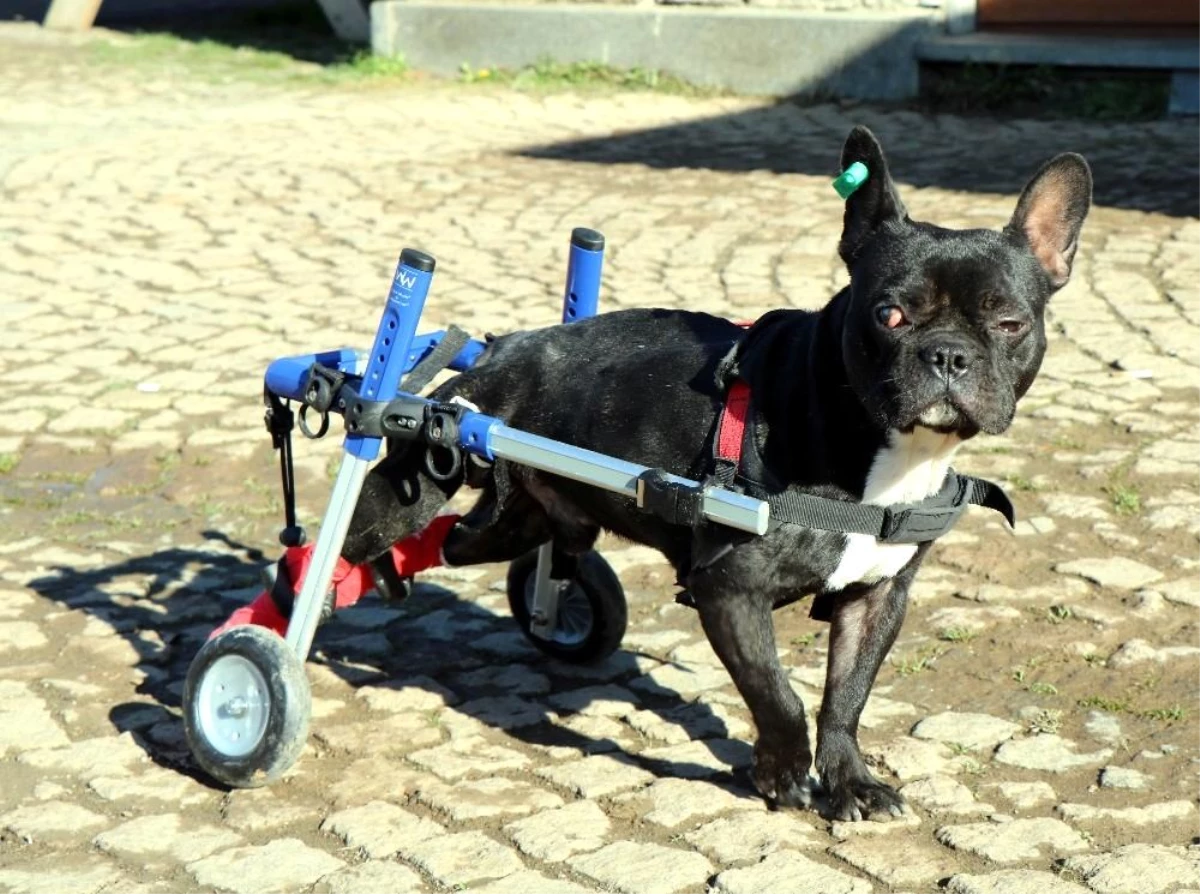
[{"x": 164, "y": 605}]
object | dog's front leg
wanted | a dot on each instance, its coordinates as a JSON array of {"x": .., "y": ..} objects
[
  {"x": 742, "y": 633},
  {"x": 865, "y": 623}
]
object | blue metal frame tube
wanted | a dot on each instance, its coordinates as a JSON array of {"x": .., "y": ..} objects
[
  {"x": 584, "y": 263},
  {"x": 393, "y": 339}
]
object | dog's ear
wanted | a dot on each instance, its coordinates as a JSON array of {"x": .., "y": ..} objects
[
  {"x": 1050, "y": 214},
  {"x": 874, "y": 203}
]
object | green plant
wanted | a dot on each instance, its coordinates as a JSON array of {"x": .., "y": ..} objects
[
  {"x": 1056, "y": 614},
  {"x": 547, "y": 74},
  {"x": 8, "y": 462},
  {"x": 957, "y": 634},
  {"x": 1046, "y": 720},
  {"x": 1104, "y": 703},
  {"x": 922, "y": 660},
  {"x": 1040, "y": 688},
  {"x": 804, "y": 640}
]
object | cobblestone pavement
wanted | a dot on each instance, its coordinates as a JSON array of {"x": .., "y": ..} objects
[{"x": 163, "y": 237}]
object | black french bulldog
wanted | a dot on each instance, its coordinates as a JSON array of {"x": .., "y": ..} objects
[{"x": 936, "y": 338}]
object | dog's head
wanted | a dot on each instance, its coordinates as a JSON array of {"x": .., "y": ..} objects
[{"x": 945, "y": 328}]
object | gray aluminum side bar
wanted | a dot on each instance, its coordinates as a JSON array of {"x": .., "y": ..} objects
[{"x": 720, "y": 505}]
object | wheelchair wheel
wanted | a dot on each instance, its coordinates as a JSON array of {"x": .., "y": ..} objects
[
  {"x": 592, "y": 613},
  {"x": 246, "y": 707}
]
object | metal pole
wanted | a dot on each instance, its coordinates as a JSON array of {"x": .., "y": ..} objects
[{"x": 389, "y": 354}]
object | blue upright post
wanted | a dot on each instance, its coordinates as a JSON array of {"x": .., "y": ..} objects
[
  {"x": 381, "y": 381},
  {"x": 583, "y": 275}
]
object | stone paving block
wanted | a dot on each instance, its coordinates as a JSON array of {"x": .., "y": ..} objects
[
  {"x": 597, "y": 775},
  {"x": 698, "y": 720},
  {"x": 462, "y": 858},
  {"x": 414, "y": 696},
  {"x": 505, "y": 711},
  {"x": 1133, "y": 816},
  {"x": 696, "y": 760},
  {"x": 495, "y": 796},
  {"x": 471, "y": 755},
  {"x": 943, "y": 794},
  {"x": 284, "y": 864},
  {"x": 1025, "y": 795},
  {"x": 1048, "y": 752},
  {"x": 978, "y": 732},
  {"x": 606, "y": 701},
  {"x": 152, "y": 784},
  {"x": 912, "y": 758},
  {"x": 380, "y": 829},
  {"x": 25, "y": 722},
  {"x": 262, "y": 809},
  {"x": 555, "y": 835},
  {"x": 516, "y": 679},
  {"x": 164, "y": 836},
  {"x": 1116, "y": 571},
  {"x": 1012, "y": 881},
  {"x": 787, "y": 870},
  {"x": 1138, "y": 869},
  {"x": 899, "y": 862},
  {"x": 1124, "y": 778},
  {"x": 750, "y": 835},
  {"x": 674, "y": 801},
  {"x": 89, "y": 758},
  {"x": 525, "y": 882},
  {"x": 18, "y": 636},
  {"x": 376, "y": 875},
  {"x": 1013, "y": 841},
  {"x": 682, "y": 679},
  {"x": 634, "y": 867},
  {"x": 51, "y": 820},
  {"x": 56, "y": 874}
]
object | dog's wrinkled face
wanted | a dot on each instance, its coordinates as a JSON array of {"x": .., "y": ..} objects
[{"x": 945, "y": 327}]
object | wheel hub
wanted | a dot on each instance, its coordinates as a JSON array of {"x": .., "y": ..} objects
[
  {"x": 233, "y": 706},
  {"x": 573, "y": 615}
]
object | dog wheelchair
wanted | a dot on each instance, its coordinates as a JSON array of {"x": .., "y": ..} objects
[{"x": 246, "y": 698}]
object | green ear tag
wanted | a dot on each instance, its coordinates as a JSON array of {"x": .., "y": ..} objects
[{"x": 851, "y": 179}]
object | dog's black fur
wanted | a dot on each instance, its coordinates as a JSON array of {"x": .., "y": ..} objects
[{"x": 937, "y": 336}]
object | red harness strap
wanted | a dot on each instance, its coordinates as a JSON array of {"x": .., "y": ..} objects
[{"x": 732, "y": 427}]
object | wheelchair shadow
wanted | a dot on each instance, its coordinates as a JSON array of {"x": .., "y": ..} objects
[{"x": 157, "y": 610}]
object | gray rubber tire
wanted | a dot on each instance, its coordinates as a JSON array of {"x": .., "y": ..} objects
[
  {"x": 246, "y": 707},
  {"x": 598, "y": 613}
]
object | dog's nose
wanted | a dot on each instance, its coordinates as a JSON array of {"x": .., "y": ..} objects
[{"x": 948, "y": 359}]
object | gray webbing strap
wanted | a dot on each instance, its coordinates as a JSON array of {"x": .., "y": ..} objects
[{"x": 436, "y": 360}]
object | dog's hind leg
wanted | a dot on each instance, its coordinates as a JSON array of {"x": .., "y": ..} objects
[
  {"x": 865, "y": 623},
  {"x": 398, "y": 499},
  {"x": 741, "y": 630}
]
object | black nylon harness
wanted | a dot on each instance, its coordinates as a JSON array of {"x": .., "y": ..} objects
[{"x": 917, "y": 522}]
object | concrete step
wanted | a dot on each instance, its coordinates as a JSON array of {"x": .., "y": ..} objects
[{"x": 1057, "y": 49}]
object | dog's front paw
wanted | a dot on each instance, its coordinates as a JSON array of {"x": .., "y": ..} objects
[
  {"x": 864, "y": 798},
  {"x": 852, "y": 793},
  {"x": 781, "y": 775}
]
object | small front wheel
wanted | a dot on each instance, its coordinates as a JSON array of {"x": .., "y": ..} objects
[
  {"x": 591, "y": 616},
  {"x": 246, "y": 707}
]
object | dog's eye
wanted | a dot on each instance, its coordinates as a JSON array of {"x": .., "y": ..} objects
[
  {"x": 890, "y": 316},
  {"x": 1011, "y": 327}
]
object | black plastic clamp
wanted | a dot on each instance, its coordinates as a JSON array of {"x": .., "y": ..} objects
[{"x": 677, "y": 503}]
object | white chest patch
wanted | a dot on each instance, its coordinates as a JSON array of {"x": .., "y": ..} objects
[{"x": 909, "y": 468}]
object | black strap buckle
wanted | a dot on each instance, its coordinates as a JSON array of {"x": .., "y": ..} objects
[
  {"x": 677, "y": 503},
  {"x": 929, "y": 519}
]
